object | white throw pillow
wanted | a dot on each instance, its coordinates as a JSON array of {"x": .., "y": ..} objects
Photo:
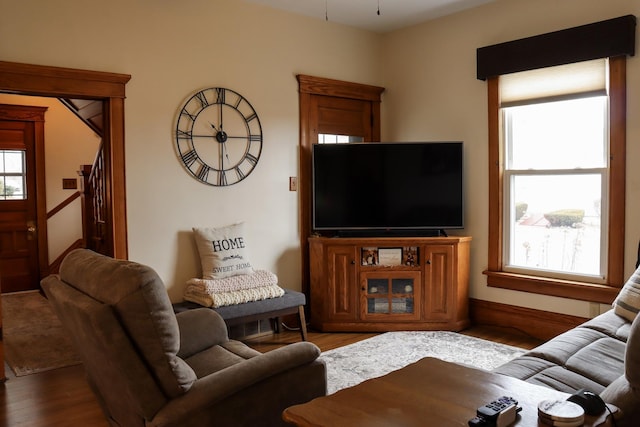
[
  {"x": 627, "y": 302},
  {"x": 223, "y": 251}
]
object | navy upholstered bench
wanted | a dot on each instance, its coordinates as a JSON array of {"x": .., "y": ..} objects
[{"x": 291, "y": 302}]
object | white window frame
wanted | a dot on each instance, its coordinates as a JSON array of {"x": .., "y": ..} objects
[{"x": 509, "y": 222}]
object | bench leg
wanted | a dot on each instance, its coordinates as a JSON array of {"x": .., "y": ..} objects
[
  {"x": 277, "y": 322},
  {"x": 303, "y": 323}
]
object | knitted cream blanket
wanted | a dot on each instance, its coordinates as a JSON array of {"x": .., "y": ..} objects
[{"x": 259, "y": 285}]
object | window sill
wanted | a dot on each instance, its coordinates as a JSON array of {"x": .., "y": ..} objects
[{"x": 583, "y": 291}]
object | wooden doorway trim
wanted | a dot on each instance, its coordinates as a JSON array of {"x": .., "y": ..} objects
[
  {"x": 310, "y": 87},
  {"x": 39, "y": 80}
]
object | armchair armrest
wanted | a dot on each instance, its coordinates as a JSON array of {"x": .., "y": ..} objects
[
  {"x": 200, "y": 328},
  {"x": 209, "y": 390}
]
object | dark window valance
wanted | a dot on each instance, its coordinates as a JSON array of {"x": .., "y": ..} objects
[{"x": 613, "y": 37}]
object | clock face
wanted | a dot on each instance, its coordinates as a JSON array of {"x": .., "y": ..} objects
[{"x": 219, "y": 136}]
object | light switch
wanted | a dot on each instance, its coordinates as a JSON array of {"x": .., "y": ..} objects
[{"x": 293, "y": 183}]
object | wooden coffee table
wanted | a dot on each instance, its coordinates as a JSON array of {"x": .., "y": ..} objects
[{"x": 430, "y": 392}]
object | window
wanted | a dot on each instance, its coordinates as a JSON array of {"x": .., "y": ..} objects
[
  {"x": 557, "y": 161},
  {"x": 555, "y": 174},
  {"x": 12, "y": 175},
  {"x": 324, "y": 138}
]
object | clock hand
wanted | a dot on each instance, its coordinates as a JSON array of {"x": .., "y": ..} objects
[
  {"x": 221, "y": 136},
  {"x": 221, "y": 151},
  {"x": 221, "y": 118},
  {"x": 225, "y": 152}
]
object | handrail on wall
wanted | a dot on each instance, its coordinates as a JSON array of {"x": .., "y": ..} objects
[{"x": 63, "y": 204}]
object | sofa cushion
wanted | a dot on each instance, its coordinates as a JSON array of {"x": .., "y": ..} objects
[
  {"x": 632, "y": 356},
  {"x": 220, "y": 357},
  {"x": 627, "y": 303},
  {"x": 602, "y": 361},
  {"x": 624, "y": 392},
  {"x": 140, "y": 299},
  {"x": 561, "y": 379},
  {"x": 223, "y": 251},
  {"x": 610, "y": 324},
  {"x": 564, "y": 346},
  {"x": 589, "y": 356}
]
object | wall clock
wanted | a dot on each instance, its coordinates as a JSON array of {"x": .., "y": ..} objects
[{"x": 218, "y": 136}]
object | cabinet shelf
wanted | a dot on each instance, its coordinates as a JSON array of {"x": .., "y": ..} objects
[{"x": 365, "y": 284}]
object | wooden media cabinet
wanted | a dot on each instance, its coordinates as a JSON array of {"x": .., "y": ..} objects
[{"x": 389, "y": 283}]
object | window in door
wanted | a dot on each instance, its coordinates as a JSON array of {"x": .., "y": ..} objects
[{"x": 12, "y": 175}]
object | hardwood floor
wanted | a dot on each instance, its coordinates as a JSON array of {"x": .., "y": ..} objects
[{"x": 62, "y": 398}]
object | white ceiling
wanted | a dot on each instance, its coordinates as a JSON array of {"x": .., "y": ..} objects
[{"x": 394, "y": 14}]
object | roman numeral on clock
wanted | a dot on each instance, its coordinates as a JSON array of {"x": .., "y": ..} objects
[
  {"x": 189, "y": 157},
  {"x": 220, "y": 95},
  {"x": 200, "y": 96},
  {"x": 251, "y": 159},
  {"x": 184, "y": 134},
  {"x": 203, "y": 172},
  {"x": 184, "y": 112},
  {"x": 239, "y": 173},
  {"x": 222, "y": 178}
]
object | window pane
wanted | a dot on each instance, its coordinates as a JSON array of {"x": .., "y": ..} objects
[
  {"x": 557, "y": 135},
  {"x": 12, "y": 175},
  {"x": 12, "y": 188},
  {"x": 11, "y": 161},
  {"x": 325, "y": 138},
  {"x": 556, "y": 223}
]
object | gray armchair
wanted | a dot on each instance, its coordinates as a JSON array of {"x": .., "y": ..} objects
[{"x": 150, "y": 367}]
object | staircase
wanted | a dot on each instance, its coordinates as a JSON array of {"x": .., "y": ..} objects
[{"x": 95, "y": 219}]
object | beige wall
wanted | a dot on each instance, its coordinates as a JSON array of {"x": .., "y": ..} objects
[
  {"x": 173, "y": 48},
  {"x": 432, "y": 93}
]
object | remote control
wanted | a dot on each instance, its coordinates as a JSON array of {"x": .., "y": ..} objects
[{"x": 499, "y": 413}]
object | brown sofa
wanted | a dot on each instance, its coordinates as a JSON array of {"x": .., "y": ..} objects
[
  {"x": 150, "y": 367},
  {"x": 601, "y": 355}
]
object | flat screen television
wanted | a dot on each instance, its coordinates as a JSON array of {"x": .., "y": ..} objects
[{"x": 378, "y": 189}]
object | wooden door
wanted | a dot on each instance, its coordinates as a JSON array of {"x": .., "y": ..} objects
[
  {"x": 341, "y": 116},
  {"x": 342, "y": 288},
  {"x": 330, "y": 107},
  {"x": 440, "y": 284},
  {"x": 20, "y": 268}
]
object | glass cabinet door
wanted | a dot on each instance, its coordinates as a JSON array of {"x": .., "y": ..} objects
[{"x": 386, "y": 294}]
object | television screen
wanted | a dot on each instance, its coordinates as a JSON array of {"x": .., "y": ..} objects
[{"x": 387, "y": 187}]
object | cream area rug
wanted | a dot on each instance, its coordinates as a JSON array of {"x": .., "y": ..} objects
[
  {"x": 377, "y": 356},
  {"x": 33, "y": 337}
]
